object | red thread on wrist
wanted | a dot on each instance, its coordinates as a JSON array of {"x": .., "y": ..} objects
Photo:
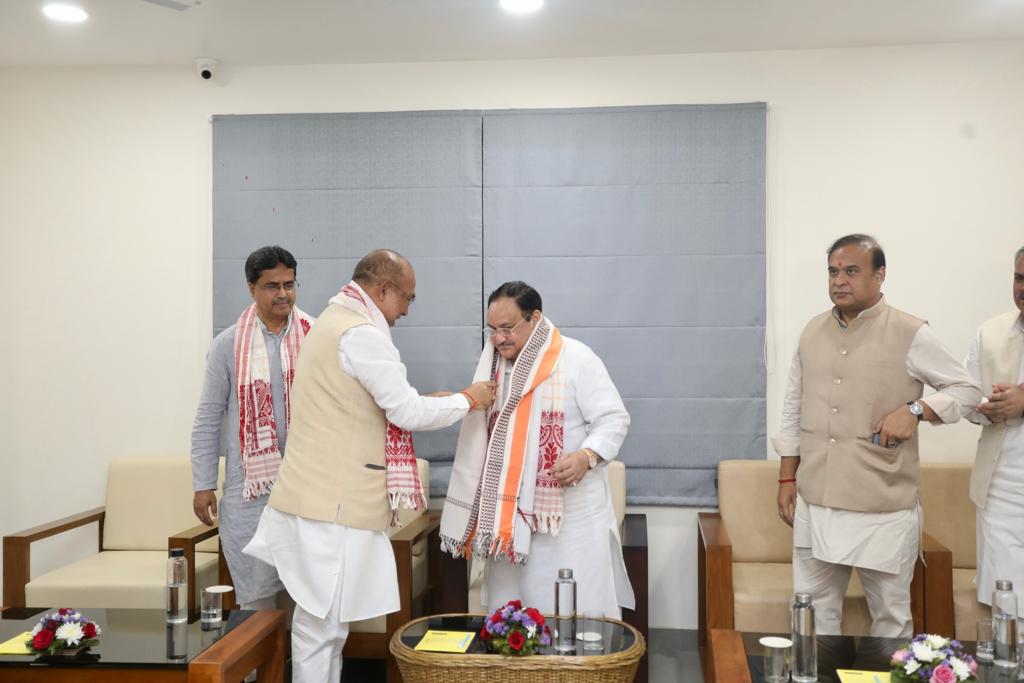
[
  {"x": 787, "y": 481},
  {"x": 472, "y": 401}
]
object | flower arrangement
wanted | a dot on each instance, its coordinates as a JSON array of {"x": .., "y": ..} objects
[
  {"x": 64, "y": 629},
  {"x": 513, "y": 630},
  {"x": 932, "y": 659}
]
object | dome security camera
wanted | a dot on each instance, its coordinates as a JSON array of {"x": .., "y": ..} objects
[{"x": 206, "y": 68}]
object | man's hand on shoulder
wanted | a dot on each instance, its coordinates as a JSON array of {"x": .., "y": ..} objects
[{"x": 204, "y": 504}]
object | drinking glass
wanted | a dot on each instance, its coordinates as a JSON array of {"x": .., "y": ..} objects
[
  {"x": 592, "y": 631},
  {"x": 776, "y": 659},
  {"x": 984, "y": 651}
]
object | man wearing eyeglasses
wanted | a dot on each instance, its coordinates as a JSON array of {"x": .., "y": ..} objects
[
  {"x": 244, "y": 412},
  {"x": 529, "y": 492},
  {"x": 350, "y": 465}
]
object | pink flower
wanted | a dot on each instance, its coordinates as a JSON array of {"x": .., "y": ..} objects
[
  {"x": 942, "y": 674},
  {"x": 899, "y": 656},
  {"x": 974, "y": 666}
]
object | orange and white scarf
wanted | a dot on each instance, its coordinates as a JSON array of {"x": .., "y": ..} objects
[
  {"x": 501, "y": 490},
  {"x": 403, "y": 477},
  {"x": 257, "y": 428}
]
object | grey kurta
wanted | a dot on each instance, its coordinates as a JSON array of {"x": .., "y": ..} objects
[{"x": 215, "y": 432}]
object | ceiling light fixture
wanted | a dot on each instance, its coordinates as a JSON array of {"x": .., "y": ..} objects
[
  {"x": 521, "y": 6},
  {"x": 67, "y": 13}
]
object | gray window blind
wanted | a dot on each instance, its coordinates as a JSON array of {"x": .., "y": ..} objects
[{"x": 643, "y": 229}]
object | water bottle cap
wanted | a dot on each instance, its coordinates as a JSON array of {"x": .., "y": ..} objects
[
  {"x": 177, "y": 552},
  {"x": 802, "y": 598},
  {"x": 1004, "y": 585},
  {"x": 565, "y": 573}
]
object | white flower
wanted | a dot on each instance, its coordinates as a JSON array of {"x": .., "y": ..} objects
[
  {"x": 531, "y": 632},
  {"x": 923, "y": 652},
  {"x": 98, "y": 629},
  {"x": 937, "y": 642},
  {"x": 912, "y": 666},
  {"x": 960, "y": 668},
  {"x": 70, "y": 634}
]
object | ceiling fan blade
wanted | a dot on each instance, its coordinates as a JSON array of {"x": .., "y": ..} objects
[{"x": 170, "y": 4}]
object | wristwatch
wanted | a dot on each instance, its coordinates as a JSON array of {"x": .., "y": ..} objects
[
  {"x": 591, "y": 458},
  {"x": 916, "y": 409}
]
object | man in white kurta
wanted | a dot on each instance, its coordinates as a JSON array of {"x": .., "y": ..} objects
[
  {"x": 335, "y": 573},
  {"x": 595, "y": 425},
  {"x": 996, "y": 362},
  {"x": 868, "y": 364}
]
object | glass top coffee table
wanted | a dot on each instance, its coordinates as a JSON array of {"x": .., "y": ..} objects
[
  {"x": 737, "y": 657},
  {"x": 616, "y": 661},
  {"x": 139, "y": 641}
]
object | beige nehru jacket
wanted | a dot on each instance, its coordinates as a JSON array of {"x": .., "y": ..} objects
[
  {"x": 852, "y": 378},
  {"x": 999, "y": 355},
  {"x": 333, "y": 470}
]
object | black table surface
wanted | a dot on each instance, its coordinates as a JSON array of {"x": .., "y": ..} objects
[
  {"x": 862, "y": 653},
  {"x": 617, "y": 637},
  {"x": 129, "y": 638}
]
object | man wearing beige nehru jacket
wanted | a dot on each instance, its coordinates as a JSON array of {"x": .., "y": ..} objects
[{"x": 848, "y": 476}]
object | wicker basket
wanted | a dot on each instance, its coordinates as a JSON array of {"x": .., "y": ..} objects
[{"x": 442, "y": 667}]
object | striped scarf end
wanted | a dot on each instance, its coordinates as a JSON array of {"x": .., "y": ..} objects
[
  {"x": 407, "y": 499},
  {"x": 255, "y": 488},
  {"x": 549, "y": 524},
  {"x": 455, "y": 547}
]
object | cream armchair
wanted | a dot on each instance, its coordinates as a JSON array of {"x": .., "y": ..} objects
[
  {"x": 148, "y": 505},
  {"x": 744, "y": 561},
  {"x": 949, "y": 517}
]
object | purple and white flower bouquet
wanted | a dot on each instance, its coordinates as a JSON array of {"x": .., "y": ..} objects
[{"x": 932, "y": 659}]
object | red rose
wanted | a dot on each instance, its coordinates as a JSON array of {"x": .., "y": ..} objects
[
  {"x": 535, "y": 614},
  {"x": 515, "y": 604},
  {"x": 89, "y": 630},
  {"x": 516, "y": 640},
  {"x": 62, "y": 611},
  {"x": 484, "y": 634},
  {"x": 43, "y": 639},
  {"x": 496, "y": 617}
]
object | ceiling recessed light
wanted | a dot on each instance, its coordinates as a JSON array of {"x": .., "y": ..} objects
[
  {"x": 521, "y": 6},
  {"x": 66, "y": 13}
]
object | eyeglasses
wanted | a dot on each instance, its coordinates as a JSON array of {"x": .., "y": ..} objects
[
  {"x": 273, "y": 287},
  {"x": 505, "y": 332}
]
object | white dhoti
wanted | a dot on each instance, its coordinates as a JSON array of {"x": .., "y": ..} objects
[
  {"x": 829, "y": 543},
  {"x": 1000, "y": 524},
  {"x": 588, "y": 543},
  {"x": 335, "y": 574}
]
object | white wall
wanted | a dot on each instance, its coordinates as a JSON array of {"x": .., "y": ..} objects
[{"x": 105, "y": 193}]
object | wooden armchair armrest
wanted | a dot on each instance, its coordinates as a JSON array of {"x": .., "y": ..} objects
[
  {"x": 402, "y": 542},
  {"x": 17, "y": 550},
  {"x": 188, "y": 539},
  {"x": 714, "y": 576},
  {"x": 938, "y": 587}
]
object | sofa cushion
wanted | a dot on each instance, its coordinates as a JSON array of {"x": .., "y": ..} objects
[
  {"x": 966, "y": 608},
  {"x": 763, "y": 593},
  {"x": 747, "y": 491},
  {"x": 115, "y": 578},
  {"x": 949, "y": 514},
  {"x": 148, "y": 500}
]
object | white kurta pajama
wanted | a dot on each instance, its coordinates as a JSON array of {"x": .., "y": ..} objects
[
  {"x": 588, "y": 541},
  {"x": 829, "y": 542},
  {"x": 339, "y": 574},
  {"x": 1000, "y": 524}
]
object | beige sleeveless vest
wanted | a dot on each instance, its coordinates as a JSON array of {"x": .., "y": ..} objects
[
  {"x": 333, "y": 469},
  {"x": 851, "y": 379},
  {"x": 999, "y": 353}
]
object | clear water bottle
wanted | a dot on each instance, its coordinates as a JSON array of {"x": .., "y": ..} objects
[
  {"x": 804, "y": 667},
  {"x": 565, "y": 611},
  {"x": 177, "y": 587},
  {"x": 1004, "y": 625}
]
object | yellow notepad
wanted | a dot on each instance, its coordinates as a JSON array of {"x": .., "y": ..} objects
[
  {"x": 445, "y": 641},
  {"x": 852, "y": 676},
  {"x": 16, "y": 645}
]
